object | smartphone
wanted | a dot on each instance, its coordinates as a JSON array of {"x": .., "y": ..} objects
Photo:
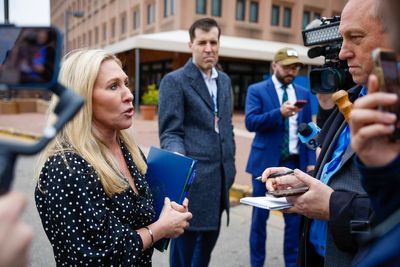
[
  {"x": 385, "y": 68},
  {"x": 300, "y": 103},
  {"x": 289, "y": 192}
]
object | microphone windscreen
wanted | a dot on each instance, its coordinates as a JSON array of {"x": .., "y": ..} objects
[{"x": 305, "y": 129}]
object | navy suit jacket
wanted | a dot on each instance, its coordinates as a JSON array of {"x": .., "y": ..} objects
[{"x": 263, "y": 117}]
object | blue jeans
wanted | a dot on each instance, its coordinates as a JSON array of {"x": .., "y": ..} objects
[{"x": 258, "y": 229}]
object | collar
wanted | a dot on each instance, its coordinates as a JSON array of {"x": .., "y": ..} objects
[
  {"x": 214, "y": 72},
  {"x": 363, "y": 91},
  {"x": 277, "y": 83},
  {"x": 354, "y": 92}
]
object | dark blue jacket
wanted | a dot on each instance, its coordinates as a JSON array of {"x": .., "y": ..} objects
[{"x": 382, "y": 184}]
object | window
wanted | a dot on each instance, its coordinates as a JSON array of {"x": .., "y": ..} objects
[
  {"x": 104, "y": 31},
  {"x": 201, "y": 6},
  {"x": 240, "y": 9},
  {"x": 136, "y": 19},
  {"x": 172, "y": 7},
  {"x": 275, "y": 15},
  {"x": 287, "y": 17},
  {"x": 123, "y": 23},
  {"x": 96, "y": 35},
  {"x": 113, "y": 28},
  {"x": 306, "y": 18},
  {"x": 216, "y": 8},
  {"x": 150, "y": 14},
  {"x": 90, "y": 38},
  {"x": 167, "y": 8},
  {"x": 253, "y": 11}
]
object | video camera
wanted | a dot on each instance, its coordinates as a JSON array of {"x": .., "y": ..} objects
[{"x": 327, "y": 41}]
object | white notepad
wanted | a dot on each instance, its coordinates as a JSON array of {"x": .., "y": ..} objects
[{"x": 268, "y": 202}]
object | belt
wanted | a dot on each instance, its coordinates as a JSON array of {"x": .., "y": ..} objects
[{"x": 291, "y": 157}]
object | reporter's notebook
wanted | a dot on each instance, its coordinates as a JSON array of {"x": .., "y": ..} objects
[
  {"x": 168, "y": 175},
  {"x": 268, "y": 202}
]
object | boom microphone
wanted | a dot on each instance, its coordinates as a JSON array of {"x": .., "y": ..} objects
[{"x": 316, "y": 52}]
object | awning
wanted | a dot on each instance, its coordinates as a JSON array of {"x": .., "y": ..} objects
[{"x": 235, "y": 47}]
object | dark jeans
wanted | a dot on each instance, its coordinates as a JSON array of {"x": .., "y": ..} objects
[
  {"x": 193, "y": 248},
  {"x": 258, "y": 230}
]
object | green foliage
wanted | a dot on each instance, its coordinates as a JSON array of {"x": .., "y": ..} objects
[{"x": 151, "y": 96}]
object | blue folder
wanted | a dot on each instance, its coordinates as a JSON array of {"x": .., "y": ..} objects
[{"x": 168, "y": 175}]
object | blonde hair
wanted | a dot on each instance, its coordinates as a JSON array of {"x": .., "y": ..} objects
[{"x": 79, "y": 72}]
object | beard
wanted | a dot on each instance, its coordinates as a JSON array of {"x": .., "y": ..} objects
[{"x": 286, "y": 80}]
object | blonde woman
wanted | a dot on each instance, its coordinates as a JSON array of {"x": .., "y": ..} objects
[{"x": 92, "y": 195}]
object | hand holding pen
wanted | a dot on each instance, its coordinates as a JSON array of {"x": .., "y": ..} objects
[
  {"x": 274, "y": 175},
  {"x": 281, "y": 182},
  {"x": 280, "y": 178}
]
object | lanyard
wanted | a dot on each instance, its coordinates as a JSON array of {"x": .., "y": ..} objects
[{"x": 215, "y": 105}]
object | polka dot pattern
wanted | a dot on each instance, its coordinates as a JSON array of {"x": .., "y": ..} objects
[{"x": 85, "y": 226}]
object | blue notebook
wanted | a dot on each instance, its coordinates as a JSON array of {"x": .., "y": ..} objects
[{"x": 168, "y": 175}]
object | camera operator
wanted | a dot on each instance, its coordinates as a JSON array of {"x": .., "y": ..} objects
[
  {"x": 15, "y": 236},
  {"x": 378, "y": 158},
  {"x": 336, "y": 203}
]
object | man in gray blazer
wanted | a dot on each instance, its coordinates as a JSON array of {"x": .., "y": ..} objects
[{"x": 195, "y": 119}]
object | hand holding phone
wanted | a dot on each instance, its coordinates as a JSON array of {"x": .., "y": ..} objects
[
  {"x": 289, "y": 192},
  {"x": 301, "y": 103},
  {"x": 385, "y": 68}
]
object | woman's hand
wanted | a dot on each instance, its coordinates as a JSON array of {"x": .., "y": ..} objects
[{"x": 173, "y": 218}]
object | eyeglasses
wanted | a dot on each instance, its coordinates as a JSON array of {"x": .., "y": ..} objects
[{"x": 293, "y": 67}]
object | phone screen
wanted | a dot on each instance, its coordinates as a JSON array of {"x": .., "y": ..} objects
[
  {"x": 300, "y": 103},
  {"x": 390, "y": 76}
]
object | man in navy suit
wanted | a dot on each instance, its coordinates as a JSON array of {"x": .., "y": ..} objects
[
  {"x": 272, "y": 114},
  {"x": 195, "y": 119}
]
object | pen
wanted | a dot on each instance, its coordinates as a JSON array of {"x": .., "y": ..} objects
[{"x": 278, "y": 174}]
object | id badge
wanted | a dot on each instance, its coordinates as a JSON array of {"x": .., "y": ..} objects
[{"x": 216, "y": 123}]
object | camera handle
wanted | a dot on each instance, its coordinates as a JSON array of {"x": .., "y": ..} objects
[
  {"x": 68, "y": 105},
  {"x": 7, "y": 159},
  {"x": 341, "y": 99}
]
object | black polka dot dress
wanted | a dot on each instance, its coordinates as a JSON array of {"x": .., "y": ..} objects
[{"x": 84, "y": 225}]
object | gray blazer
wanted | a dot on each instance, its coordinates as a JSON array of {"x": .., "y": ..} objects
[{"x": 186, "y": 125}]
